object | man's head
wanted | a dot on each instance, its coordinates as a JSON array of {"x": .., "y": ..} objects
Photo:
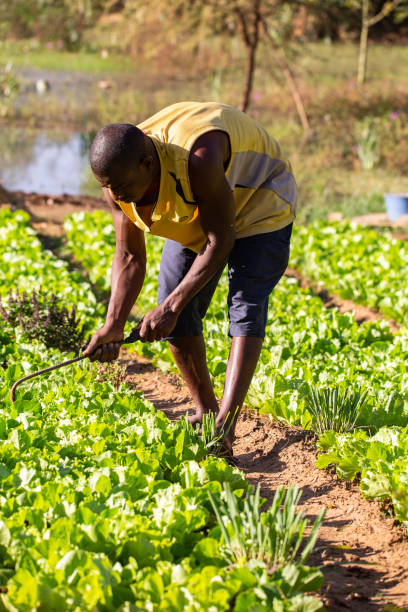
[{"x": 121, "y": 159}]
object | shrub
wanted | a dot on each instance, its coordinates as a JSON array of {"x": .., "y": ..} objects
[{"x": 44, "y": 318}]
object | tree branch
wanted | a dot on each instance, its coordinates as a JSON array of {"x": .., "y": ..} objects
[
  {"x": 386, "y": 10},
  {"x": 241, "y": 19},
  {"x": 284, "y": 66}
]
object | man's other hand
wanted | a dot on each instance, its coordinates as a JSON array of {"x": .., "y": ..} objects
[
  {"x": 104, "y": 345},
  {"x": 157, "y": 324}
]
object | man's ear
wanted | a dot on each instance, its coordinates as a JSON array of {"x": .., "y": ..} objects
[{"x": 147, "y": 162}]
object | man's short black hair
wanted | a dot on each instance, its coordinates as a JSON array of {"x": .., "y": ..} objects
[{"x": 115, "y": 147}]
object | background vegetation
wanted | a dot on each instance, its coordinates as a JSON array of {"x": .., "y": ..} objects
[{"x": 295, "y": 66}]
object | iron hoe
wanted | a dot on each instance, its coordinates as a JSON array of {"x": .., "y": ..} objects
[{"x": 133, "y": 337}]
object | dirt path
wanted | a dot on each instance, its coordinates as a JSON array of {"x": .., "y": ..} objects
[{"x": 364, "y": 554}]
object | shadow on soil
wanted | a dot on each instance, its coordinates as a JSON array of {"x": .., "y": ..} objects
[{"x": 351, "y": 582}]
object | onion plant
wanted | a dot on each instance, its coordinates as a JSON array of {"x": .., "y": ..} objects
[
  {"x": 334, "y": 408},
  {"x": 274, "y": 537},
  {"x": 211, "y": 436}
]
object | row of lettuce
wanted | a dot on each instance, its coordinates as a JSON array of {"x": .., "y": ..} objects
[
  {"x": 106, "y": 505},
  {"x": 306, "y": 343},
  {"x": 357, "y": 263}
]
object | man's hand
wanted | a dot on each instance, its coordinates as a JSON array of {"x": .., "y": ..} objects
[
  {"x": 157, "y": 324},
  {"x": 105, "y": 343}
]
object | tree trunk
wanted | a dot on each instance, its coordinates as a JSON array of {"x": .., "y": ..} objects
[
  {"x": 251, "y": 40},
  {"x": 249, "y": 81},
  {"x": 362, "y": 55}
]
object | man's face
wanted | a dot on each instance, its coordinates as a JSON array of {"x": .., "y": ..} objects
[{"x": 128, "y": 185}]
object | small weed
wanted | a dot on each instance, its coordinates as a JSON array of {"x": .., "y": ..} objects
[
  {"x": 110, "y": 372},
  {"x": 209, "y": 434}
]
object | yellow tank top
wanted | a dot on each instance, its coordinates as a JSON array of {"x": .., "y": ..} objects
[{"x": 261, "y": 180}]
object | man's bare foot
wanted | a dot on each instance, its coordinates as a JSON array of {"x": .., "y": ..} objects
[
  {"x": 227, "y": 443},
  {"x": 226, "y": 452},
  {"x": 197, "y": 418},
  {"x": 228, "y": 431}
]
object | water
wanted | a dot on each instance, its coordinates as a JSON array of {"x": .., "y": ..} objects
[{"x": 46, "y": 162}]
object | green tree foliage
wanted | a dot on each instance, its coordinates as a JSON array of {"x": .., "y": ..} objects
[
  {"x": 63, "y": 21},
  {"x": 368, "y": 14}
]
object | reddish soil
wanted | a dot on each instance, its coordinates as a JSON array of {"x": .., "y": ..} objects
[
  {"x": 48, "y": 212},
  {"x": 363, "y": 553},
  {"x": 382, "y": 220}
]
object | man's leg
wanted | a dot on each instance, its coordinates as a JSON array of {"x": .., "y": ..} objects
[
  {"x": 242, "y": 361},
  {"x": 256, "y": 265},
  {"x": 254, "y": 269},
  {"x": 186, "y": 341},
  {"x": 190, "y": 357}
]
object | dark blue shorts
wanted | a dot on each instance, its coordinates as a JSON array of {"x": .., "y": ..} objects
[{"x": 255, "y": 265}]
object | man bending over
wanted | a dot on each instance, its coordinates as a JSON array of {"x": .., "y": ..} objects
[{"x": 214, "y": 183}]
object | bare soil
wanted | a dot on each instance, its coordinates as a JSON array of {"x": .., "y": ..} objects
[
  {"x": 48, "y": 212},
  {"x": 362, "y": 550},
  {"x": 382, "y": 220}
]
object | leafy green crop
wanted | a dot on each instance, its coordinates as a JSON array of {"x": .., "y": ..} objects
[
  {"x": 305, "y": 342},
  {"x": 355, "y": 262},
  {"x": 381, "y": 459},
  {"x": 26, "y": 266},
  {"x": 105, "y": 503}
]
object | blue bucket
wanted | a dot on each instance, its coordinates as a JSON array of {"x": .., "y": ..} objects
[{"x": 396, "y": 205}]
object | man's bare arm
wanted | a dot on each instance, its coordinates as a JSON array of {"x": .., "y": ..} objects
[
  {"x": 217, "y": 216},
  {"x": 128, "y": 273}
]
